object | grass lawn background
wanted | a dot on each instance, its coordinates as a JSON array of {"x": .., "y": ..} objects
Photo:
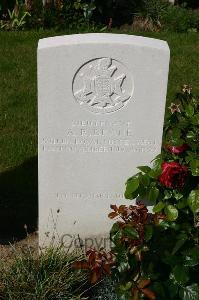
[{"x": 18, "y": 86}]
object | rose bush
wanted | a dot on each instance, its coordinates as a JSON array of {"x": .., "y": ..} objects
[{"x": 156, "y": 255}]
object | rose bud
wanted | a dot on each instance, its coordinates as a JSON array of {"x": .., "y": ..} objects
[{"x": 177, "y": 149}]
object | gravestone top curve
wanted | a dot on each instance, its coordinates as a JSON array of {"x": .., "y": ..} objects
[{"x": 100, "y": 38}]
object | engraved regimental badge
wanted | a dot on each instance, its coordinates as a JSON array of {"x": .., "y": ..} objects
[{"x": 103, "y": 85}]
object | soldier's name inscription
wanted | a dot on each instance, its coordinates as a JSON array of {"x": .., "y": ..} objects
[{"x": 98, "y": 136}]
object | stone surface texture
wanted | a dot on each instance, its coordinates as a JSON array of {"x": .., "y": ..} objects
[{"x": 101, "y": 102}]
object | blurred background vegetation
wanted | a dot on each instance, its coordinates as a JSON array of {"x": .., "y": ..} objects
[{"x": 153, "y": 15}]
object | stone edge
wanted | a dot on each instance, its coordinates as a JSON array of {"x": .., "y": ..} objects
[{"x": 102, "y": 38}]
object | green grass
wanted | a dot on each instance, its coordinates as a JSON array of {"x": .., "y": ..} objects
[
  {"x": 49, "y": 275},
  {"x": 18, "y": 87}
]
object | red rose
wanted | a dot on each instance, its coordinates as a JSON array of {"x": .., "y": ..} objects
[
  {"x": 173, "y": 175},
  {"x": 177, "y": 149}
]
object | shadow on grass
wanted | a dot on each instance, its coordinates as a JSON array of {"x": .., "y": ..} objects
[{"x": 18, "y": 201}]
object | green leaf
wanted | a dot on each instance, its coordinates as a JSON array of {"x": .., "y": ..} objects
[
  {"x": 129, "y": 195},
  {"x": 148, "y": 232},
  {"x": 171, "y": 212},
  {"x": 189, "y": 110},
  {"x": 142, "y": 191},
  {"x": 158, "y": 207},
  {"x": 131, "y": 232},
  {"x": 144, "y": 180},
  {"x": 159, "y": 290},
  {"x": 126, "y": 286},
  {"x": 174, "y": 226},
  {"x": 117, "y": 237},
  {"x": 191, "y": 257},
  {"x": 115, "y": 233},
  {"x": 124, "y": 295},
  {"x": 144, "y": 169},
  {"x": 115, "y": 228},
  {"x": 153, "y": 194},
  {"x": 171, "y": 260},
  {"x": 123, "y": 266},
  {"x": 176, "y": 141},
  {"x": 193, "y": 201},
  {"x": 177, "y": 195},
  {"x": 195, "y": 119},
  {"x": 172, "y": 288},
  {"x": 182, "y": 203},
  {"x": 190, "y": 292},
  {"x": 180, "y": 274},
  {"x": 133, "y": 263},
  {"x": 181, "y": 241},
  {"x": 131, "y": 186},
  {"x": 168, "y": 194},
  {"x": 178, "y": 245},
  {"x": 157, "y": 161},
  {"x": 176, "y": 133},
  {"x": 194, "y": 165},
  {"x": 190, "y": 134},
  {"x": 164, "y": 224},
  {"x": 154, "y": 173}
]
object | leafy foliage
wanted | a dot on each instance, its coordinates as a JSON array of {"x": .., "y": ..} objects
[
  {"x": 180, "y": 19},
  {"x": 58, "y": 14},
  {"x": 170, "y": 249},
  {"x": 157, "y": 254},
  {"x": 16, "y": 18},
  {"x": 166, "y": 16},
  {"x": 98, "y": 263},
  {"x": 154, "y": 10},
  {"x": 148, "y": 15}
]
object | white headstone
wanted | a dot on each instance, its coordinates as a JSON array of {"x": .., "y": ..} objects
[{"x": 101, "y": 111}]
